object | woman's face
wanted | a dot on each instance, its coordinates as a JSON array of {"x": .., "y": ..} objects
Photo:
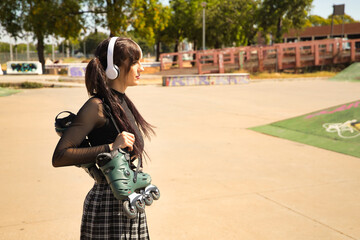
[{"x": 133, "y": 76}]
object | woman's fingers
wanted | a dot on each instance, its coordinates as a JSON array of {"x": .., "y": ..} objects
[
  {"x": 129, "y": 140},
  {"x": 129, "y": 143},
  {"x": 124, "y": 140},
  {"x": 128, "y": 135}
]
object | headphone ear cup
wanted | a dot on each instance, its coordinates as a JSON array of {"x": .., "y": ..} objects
[
  {"x": 116, "y": 68},
  {"x": 112, "y": 72}
]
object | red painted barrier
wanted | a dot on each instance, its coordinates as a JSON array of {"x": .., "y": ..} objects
[{"x": 276, "y": 57}]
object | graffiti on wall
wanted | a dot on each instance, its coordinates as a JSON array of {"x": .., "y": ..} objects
[
  {"x": 77, "y": 71},
  {"x": 344, "y": 130},
  {"x": 23, "y": 68},
  {"x": 188, "y": 80}
]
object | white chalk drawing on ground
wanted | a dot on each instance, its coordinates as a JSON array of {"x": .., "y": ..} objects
[{"x": 344, "y": 130}]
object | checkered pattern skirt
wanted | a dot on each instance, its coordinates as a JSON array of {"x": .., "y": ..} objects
[{"x": 104, "y": 218}]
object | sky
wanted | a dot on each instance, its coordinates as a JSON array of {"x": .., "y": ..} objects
[{"x": 322, "y": 8}]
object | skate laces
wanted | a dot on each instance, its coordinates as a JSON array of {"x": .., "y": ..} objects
[{"x": 137, "y": 169}]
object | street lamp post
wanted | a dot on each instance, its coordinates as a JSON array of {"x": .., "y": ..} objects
[{"x": 203, "y": 4}]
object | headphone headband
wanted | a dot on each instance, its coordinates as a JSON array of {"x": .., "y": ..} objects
[{"x": 112, "y": 71}]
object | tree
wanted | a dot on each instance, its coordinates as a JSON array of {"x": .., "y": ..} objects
[
  {"x": 150, "y": 20},
  {"x": 185, "y": 21},
  {"x": 232, "y": 17},
  {"x": 159, "y": 30},
  {"x": 114, "y": 15},
  {"x": 315, "y": 20},
  {"x": 4, "y": 47},
  {"x": 277, "y": 17},
  {"x": 227, "y": 22},
  {"x": 92, "y": 41},
  {"x": 340, "y": 19},
  {"x": 42, "y": 19}
]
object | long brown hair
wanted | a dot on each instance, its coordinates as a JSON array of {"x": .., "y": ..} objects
[{"x": 126, "y": 53}]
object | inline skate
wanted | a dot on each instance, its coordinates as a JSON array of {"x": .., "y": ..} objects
[{"x": 133, "y": 187}]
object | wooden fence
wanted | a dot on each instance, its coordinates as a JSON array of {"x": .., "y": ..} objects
[{"x": 260, "y": 58}]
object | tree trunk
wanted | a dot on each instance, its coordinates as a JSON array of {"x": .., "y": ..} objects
[
  {"x": 157, "y": 51},
  {"x": 40, "y": 49},
  {"x": 195, "y": 45},
  {"x": 175, "y": 50},
  {"x": 194, "y": 55},
  {"x": 217, "y": 45},
  {"x": 278, "y": 37},
  {"x": 251, "y": 38}
]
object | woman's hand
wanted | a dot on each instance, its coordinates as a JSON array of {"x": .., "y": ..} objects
[{"x": 123, "y": 140}]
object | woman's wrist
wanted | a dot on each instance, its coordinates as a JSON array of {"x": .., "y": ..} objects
[{"x": 111, "y": 147}]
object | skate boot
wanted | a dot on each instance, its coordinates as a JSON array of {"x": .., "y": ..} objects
[{"x": 133, "y": 187}]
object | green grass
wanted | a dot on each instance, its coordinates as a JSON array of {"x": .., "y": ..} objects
[
  {"x": 282, "y": 75},
  {"x": 265, "y": 75},
  {"x": 308, "y": 129},
  {"x": 351, "y": 73},
  {"x": 7, "y": 91}
]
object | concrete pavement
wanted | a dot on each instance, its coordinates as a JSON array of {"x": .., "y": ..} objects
[{"x": 218, "y": 180}]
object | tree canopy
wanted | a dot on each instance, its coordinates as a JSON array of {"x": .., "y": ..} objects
[
  {"x": 315, "y": 20},
  {"x": 277, "y": 17},
  {"x": 41, "y": 19},
  {"x": 228, "y": 22}
]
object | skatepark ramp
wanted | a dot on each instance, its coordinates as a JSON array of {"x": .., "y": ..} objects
[{"x": 351, "y": 73}]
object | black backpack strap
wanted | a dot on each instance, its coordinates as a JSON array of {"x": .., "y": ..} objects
[{"x": 107, "y": 110}]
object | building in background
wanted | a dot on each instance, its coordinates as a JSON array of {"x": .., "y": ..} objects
[{"x": 349, "y": 31}]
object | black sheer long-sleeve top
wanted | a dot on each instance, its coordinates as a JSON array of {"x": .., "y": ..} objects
[{"x": 93, "y": 122}]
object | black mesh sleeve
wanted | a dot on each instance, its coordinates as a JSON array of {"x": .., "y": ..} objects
[{"x": 68, "y": 151}]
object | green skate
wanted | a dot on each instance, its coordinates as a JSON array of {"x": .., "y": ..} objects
[{"x": 133, "y": 187}]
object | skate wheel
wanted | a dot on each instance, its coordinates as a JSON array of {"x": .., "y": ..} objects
[
  {"x": 148, "y": 199},
  {"x": 156, "y": 194},
  {"x": 140, "y": 205},
  {"x": 129, "y": 211}
]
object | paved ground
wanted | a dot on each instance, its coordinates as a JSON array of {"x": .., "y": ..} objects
[{"x": 218, "y": 179}]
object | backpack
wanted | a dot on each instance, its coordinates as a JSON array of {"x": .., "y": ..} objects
[{"x": 61, "y": 125}]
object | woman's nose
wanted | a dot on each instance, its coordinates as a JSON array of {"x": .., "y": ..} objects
[{"x": 141, "y": 68}]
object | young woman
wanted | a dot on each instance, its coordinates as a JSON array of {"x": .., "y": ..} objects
[{"x": 115, "y": 67}]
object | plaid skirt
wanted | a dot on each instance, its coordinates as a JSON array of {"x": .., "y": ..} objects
[{"x": 104, "y": 218}]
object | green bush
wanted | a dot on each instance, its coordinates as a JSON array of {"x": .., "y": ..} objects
[
  {"x": 22, "y": 85},
  {"x": 31, "y": 85}
]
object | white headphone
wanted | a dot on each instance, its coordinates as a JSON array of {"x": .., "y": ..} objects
[{"x": 112, "y": 71}]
